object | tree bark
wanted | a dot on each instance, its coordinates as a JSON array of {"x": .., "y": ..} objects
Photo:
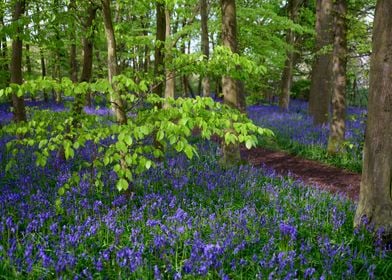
[
  {"x": 320, "y": 94},
  {"x": 43, "y": 73},
  {"x": 29, "y": 69},
  {"x": 115, "y": 98},
  {"x": 339, "y": 80},
  {"x": 88, "y": 49},
  {"x": 169, "y": 74},
  {"x": 287, "y": 76},
  {"x": 73, "y": 64},
  {"x": 16, "y": 64},
  {"x": 159, "y": 46},
  {"x": 231, "y": 152},
  {"x": 375, "y": 200},
  {"x": 205, "y": 43}
]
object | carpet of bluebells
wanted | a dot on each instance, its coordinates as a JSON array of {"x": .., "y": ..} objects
[
  {"x": 296, "y": 133},
  {"x": 187, "y": 220}
]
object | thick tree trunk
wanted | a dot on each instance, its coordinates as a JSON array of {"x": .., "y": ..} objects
[
  {"x": 320, "y": 93},
  {"x": 115, "y": 98},
  {"x": 205, "y": 42},
  {"x": 375, "y": 200},
  {"x": 159, "y": 70},
  {"x": 169, "y": 74},
  {"x": 339, "y": 81},
  {"x": 16, "y": 64},
  {"x": 231, "y": 152},
  {"x": 287, "y": 76}
]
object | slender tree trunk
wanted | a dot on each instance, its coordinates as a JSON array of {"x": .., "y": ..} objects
[
  {"x": 375, "y": 200},
  {"x": 57, "y": 76},
  {"x": 29, "y": 69},
  {"x": 116, "y": 100},
  {"x": 339, "y": 80},
  {"x": 73, "y": 69},
  {"x": 169, "y": 74},
  {"x": 320, "y": 93},
  {"x": 159, "y": 46},
  {"x": 4, "y": 52},
  {"x": 73, "y": 64},
  {"x": 16, "y": 64},
  {"x": 146, "y": 63},
  {"x": 43, "y": 73},
  {"x": 205, "y": 42},
  {"x": 287, "y": 76},
  {"x": 28, "y": 61},
  {"x": 231, "y": 152},
  {"x": 88, "y": 49}
]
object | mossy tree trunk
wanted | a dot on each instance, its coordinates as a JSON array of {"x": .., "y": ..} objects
[
  {"x": 375, "y": 199},
  {"x": 115, "y": 98},
  {"x": 339, "y": 80},
  {"x": 169, "y": 73},
  {"x": 231, "y": 92}
]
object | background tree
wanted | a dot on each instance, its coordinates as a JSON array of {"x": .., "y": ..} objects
[
  {"x": 159, "y": 45},
  {"x": 287, "y": 76},
  {"x": 320, "y": 95},
  {"x": 205, "y": 44},
  {"x": 375, "y": 202}
]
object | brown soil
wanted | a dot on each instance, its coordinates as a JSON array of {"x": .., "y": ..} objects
[{"x": 313, "y": 173}]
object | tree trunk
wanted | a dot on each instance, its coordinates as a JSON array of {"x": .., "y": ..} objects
[
  {"x": 339, "y": 81},
  {"x": 169, "y": 74},
  {"x": 16, "y": 64},
  {"x": 88, "y": 49},
  {"x": 320, "y": 94},
  {"x": 115, "y": 98},
  {"x": 43, "y": 73},
  {"x": 29, "y": 69},
  {"x": 205, "y": 43},
  {"x": 375, "y": 201},
  {"x": 287, "y": 76},
  {"x": 57, "y": 76},
  {"x": 231, "y": 152},
  {"x": 159, "y": 46},
  {"x": 4, "y": 52}
]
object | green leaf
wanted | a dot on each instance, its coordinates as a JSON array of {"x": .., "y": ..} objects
[
  {"x": 249, "y": 144},
  {"x": 188, "y": 151},
  {"x": 128, "y": 140},
  {"x": 122, "y": 184},
  {"x": 148, "y": 164},
  {"x": 61, "y": 191}
]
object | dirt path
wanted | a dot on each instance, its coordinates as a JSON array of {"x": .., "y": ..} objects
[{"x": 313, "y": 173}]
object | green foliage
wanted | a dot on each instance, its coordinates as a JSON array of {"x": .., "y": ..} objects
[{"x": 132, "y": 148}]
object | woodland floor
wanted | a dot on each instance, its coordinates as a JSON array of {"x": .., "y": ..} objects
[{"x": 312, "y": 173}]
